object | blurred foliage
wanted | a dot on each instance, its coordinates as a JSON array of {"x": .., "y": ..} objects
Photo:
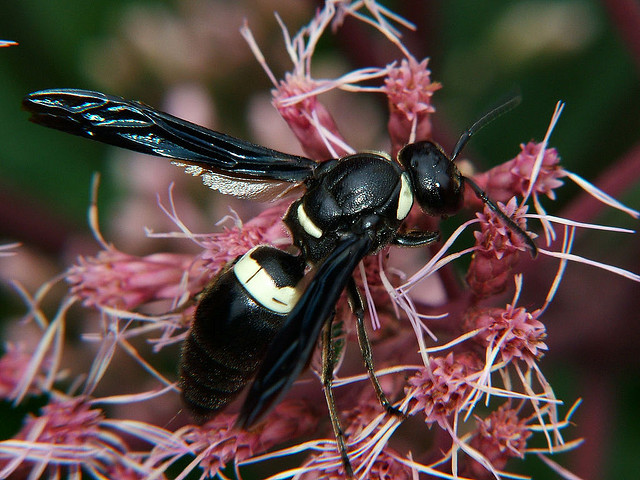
[{"x": 558, "y": 50}]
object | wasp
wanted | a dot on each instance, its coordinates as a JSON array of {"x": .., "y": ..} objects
[{"x": 261, "y": 317}]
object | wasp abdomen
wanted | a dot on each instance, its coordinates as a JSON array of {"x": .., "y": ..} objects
[{"x": 238, "y": 315}]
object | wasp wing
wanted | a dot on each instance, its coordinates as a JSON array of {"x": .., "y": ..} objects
[
  {"x": 227, "y": 164},
  {"x": 293, "y": 345}
]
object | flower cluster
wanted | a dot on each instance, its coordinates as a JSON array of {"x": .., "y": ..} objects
[
  {"x": 517, "y": 331},
  {"x": 497, "y": 250},
  {"x": 438, "y": 392},
  {"x": 434, "y": 374},
  {"x": 409, "y": 90},
  {"x": 501, "y": 435}
]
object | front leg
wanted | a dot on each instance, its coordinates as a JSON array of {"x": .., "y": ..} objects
[{"x": 414, "y": 238}]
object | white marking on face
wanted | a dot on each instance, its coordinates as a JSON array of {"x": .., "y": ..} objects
[
  {"x": 262, "y": 288},
  {"x": 307, "y": 224},
  {"x": 405, "y": 199}
]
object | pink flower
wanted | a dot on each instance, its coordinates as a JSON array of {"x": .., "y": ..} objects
[
  {"x": 308, "y": 118},
  {"x": 441, "y": 390},
  {"x": 409, "y": 89},
  {"x": 217, "y": 444},
  {"x": 13, "y": 365},
  {"x": 516, "y": 332},
  {"x": 514, "y": 176},
  {"x": 497, "y": 250},
  {"x": 119, "y": 280},
  {"x": 69, "y": 436},
  {"x": 265, "y": 228},
  {"x": 500, "y": 436},
  {"x": 385, "y": 467}
]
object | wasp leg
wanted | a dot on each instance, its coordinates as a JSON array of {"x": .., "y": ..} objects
[
  {"x": 414, "y": 238},
  {"x": 327, "y": 381},
  {"x": 357, "y": 307}
]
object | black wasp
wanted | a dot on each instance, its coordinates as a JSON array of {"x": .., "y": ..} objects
[{"x": 255, "y": 320}]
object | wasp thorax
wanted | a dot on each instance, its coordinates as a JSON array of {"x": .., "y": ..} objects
[{"x": 437, "y": 182}]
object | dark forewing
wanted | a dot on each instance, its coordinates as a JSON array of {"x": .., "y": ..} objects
[
  {"x": 293, "y": 345},
  {"x": 138, "y": 127}
]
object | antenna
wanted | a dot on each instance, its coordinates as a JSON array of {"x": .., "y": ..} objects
[{"x": 512, "y": 101}]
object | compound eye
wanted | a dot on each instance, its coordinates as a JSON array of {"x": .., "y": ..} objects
[{"x": 437, "y": 182}]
